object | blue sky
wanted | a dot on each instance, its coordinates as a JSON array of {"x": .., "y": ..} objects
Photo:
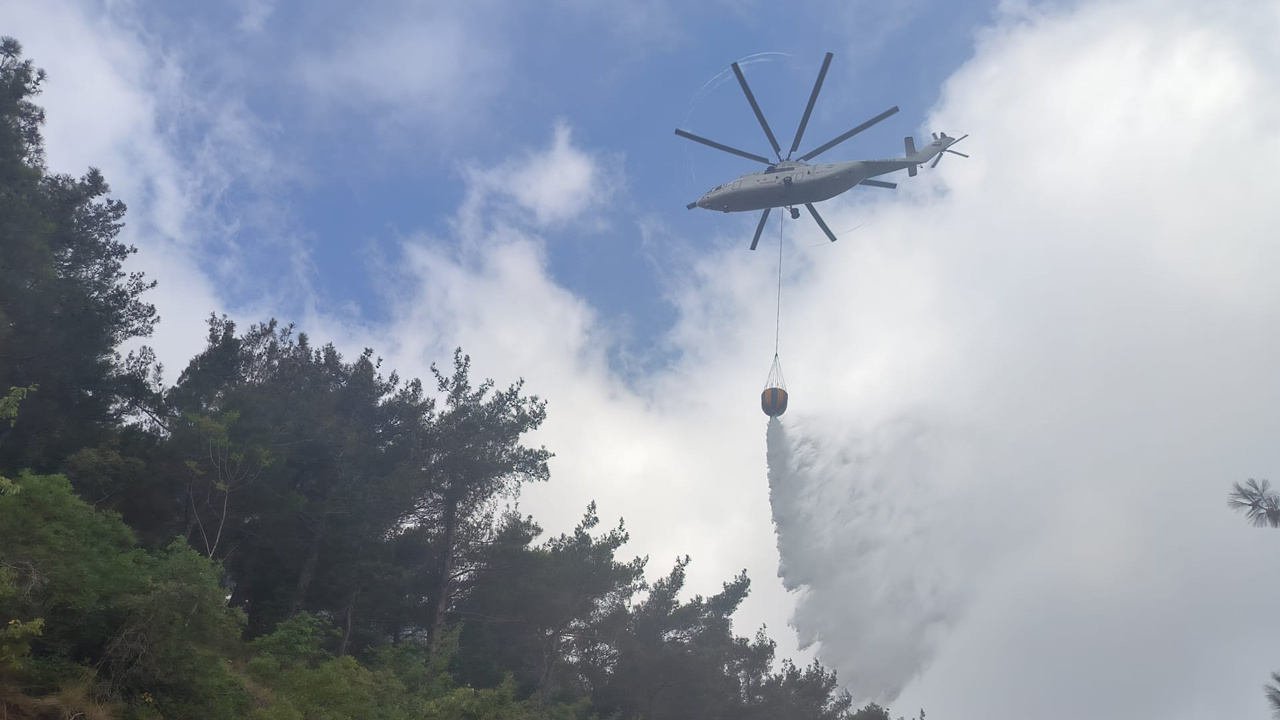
[
  {"x": 363, "y": 172},
  {"x": 1020, "y": 389}
]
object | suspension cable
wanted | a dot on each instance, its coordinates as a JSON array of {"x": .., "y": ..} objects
[{"x": 777, "y": 331}]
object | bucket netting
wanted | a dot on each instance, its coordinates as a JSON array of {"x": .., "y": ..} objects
[{"x": 775, "y": 375}]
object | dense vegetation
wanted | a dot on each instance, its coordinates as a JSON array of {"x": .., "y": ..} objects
[{"x": 287, "y": 533}]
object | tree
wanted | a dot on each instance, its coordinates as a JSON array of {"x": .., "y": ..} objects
[
  {"x": 298, "y": 462},
  {"x": 66, "y": 304},
  {"x": 151, "y": 622},
  {"x": 1273, "y": 694},
  {"x": 872, "y": 712},
  {"x": 1259, "y": 503},
  {"x": 662, "y": 658},
  {"x": 1261, "y": 506},
  {"x": 473, "y": 456},
  {"x": 531, "y": 603},
  {"x": 809, "y": 693},
  {"x": 20, "y": 80},
  {"x": 221, "y": 468}
]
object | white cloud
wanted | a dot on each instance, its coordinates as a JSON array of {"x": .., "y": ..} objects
[
  {"x": 1082, "y": 308},
  {"x": 553, "y": 187},
  {"x": 434, "y": 64},
  {"x": 447, "y": 69},
  {"x": 652, "y": 454},
  {"x": 102, "y": 109},
  {"x": 634, "y": 451},
  {"x": 118, "y": 99},
  {"x": 254, "y": 15}
]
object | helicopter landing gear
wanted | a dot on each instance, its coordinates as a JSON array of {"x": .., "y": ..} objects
[{"x": 795, "y": 213}]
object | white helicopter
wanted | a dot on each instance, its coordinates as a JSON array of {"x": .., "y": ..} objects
[{"x": 788, "y": 183}]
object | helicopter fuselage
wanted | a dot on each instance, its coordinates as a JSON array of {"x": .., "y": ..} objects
[
  {"x": 791, "y": 183},
  {"x": 788, "y": 183}
]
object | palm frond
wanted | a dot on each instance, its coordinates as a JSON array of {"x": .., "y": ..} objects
[{"x": 1273, "y": 695}]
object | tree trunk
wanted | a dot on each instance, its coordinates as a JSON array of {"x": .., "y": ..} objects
[
  {"x": 309, "y": 566},
  {"x": 439, "y": 602},
  {"x": 550, "y": 655},
  {"x": 192, "y": 518},
  {"x": 346, "y": 623},
  {"x": 550, "y": 652}
]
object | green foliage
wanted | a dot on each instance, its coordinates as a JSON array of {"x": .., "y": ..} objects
[
  {"x": 664, "y": 657},
  {"x": 177, "y": 636},
  {"x": 66, "y": 304},
  {"x": 9, "y": 412},
  {"x": 157, "y": 623},
  {"x": 9, "y": 403},
  {"x": 811, "y": 692},
  {"x": 336, "y": 688},
  {"x": 16, "y": 635},
  {"x": 306, "y": 681},
  {"x": 304, "y": 463},
  {"x": 73, "y": 565},
  {"x": 475, "y": 456},
  {"x": 872, "y": 712},
  {"x": 20, "y": 80},
  {"x": 523, "y": 615},
  {"x": 221, "y": 466},
  {"x": 422, "y": 673},
  {"x": 499, "y": 703},
  {"x": 102, "y": 472},
  {"x": 15, "y": 643},
  {"x": 299, "y": 641}
]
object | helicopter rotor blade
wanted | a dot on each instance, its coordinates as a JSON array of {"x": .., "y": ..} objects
[
  {"x": 808, "y": 109},
  {"x": 879, "y": 184},
  {"x": 751, "y": 98},
  {"x": 953, "y": 152},
  {"x": 764, "y": 217},
  {"x": 851, "y": 133},
  {"x": 814, "y": 212},
  {"x": 726, "y": 148}
]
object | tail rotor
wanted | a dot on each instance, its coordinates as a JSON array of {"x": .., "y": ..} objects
[{"x": 946, "y": 147}]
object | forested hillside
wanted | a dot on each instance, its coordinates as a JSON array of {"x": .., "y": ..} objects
[{"x": 287, "y": 533}]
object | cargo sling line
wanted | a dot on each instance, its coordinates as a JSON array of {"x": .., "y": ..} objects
[
  {"x": 777, "y": 328},
  {"x": 775, "y": 371},
  {"x": 774, "y": 398}
]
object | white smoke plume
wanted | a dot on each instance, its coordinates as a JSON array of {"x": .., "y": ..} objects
[{"x": 862, "y": 539}]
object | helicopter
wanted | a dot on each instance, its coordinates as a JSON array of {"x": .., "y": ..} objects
[{"x": 787, "y": 183}]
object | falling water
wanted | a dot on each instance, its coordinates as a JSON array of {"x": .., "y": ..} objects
[{"x": 860, "y": 541}]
